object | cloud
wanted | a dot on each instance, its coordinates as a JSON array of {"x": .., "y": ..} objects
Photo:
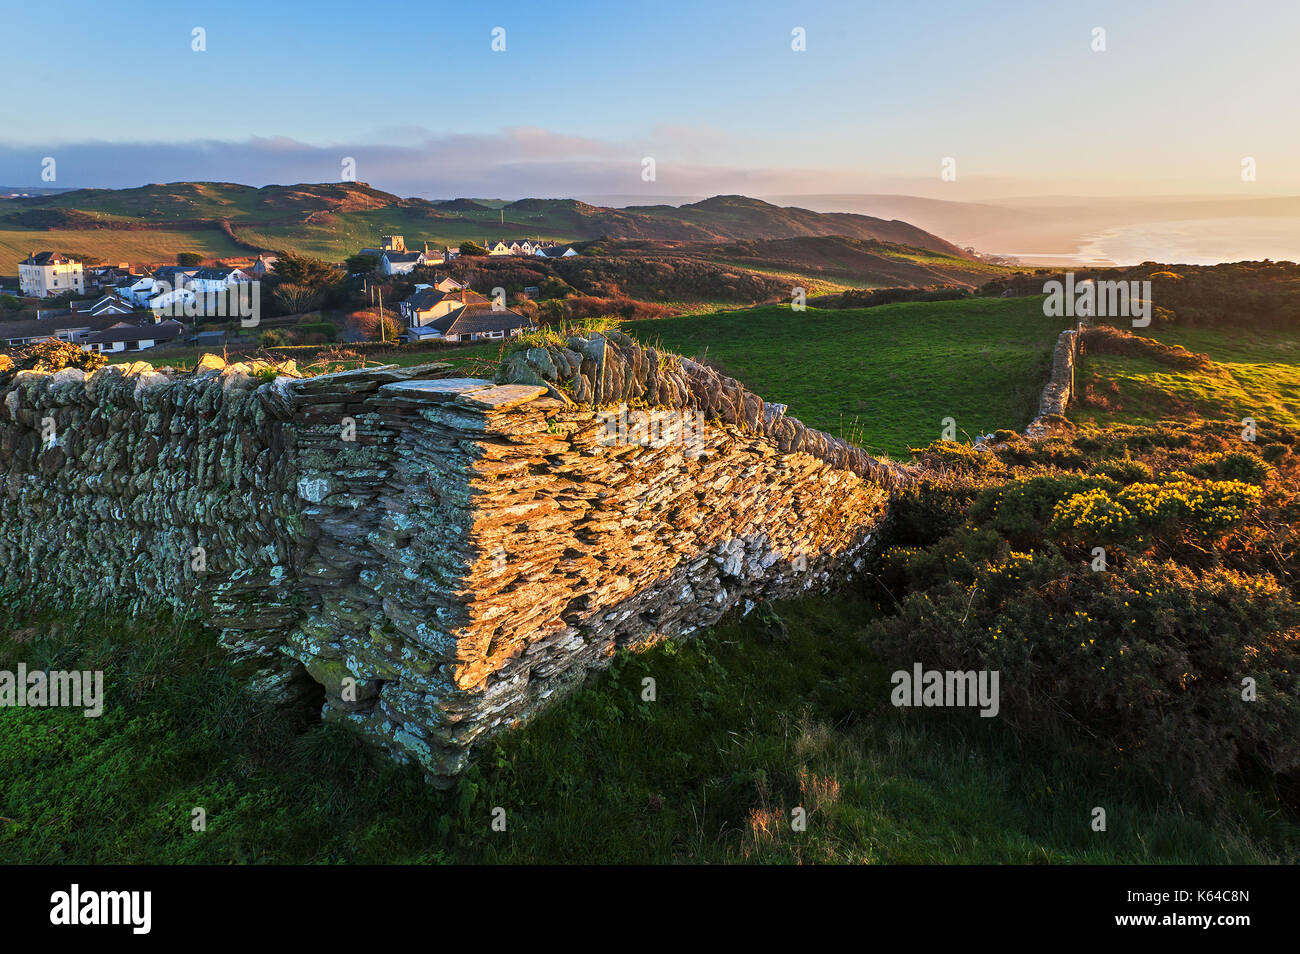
[{"x": 512, "y": 163}]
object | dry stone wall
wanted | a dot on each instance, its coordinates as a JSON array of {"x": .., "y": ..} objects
[{"x": 443, "y": 555}]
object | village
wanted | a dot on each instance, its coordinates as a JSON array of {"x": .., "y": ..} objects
[{"x": 119, "y": 307}]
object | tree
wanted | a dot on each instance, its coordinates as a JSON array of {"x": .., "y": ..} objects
[
  {"x": 472, "y": 248},
  {"x": 189, "y": 258},
  {"x": 293, "y": 269},
  {"x": 551, "y": 312},
  {"x": 361, "y": 264},
  {"x": 295, "y": 299}
]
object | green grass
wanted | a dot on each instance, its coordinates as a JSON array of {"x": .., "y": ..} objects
[
  {"x": 743, "y": 730},
  {"x": 1256, "y": 374},
  {"x": 135, "y": 246},
  {"x": 885, "y": 377}
]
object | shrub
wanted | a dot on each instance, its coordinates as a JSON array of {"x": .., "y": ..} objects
[
  {"x": 1236, "y": 465},
  {"x": 1020, "y": 510},
  {"x": 1169, "y": 509},
  {"x": 55, "y": 356},
  {"x": 1143, "y": 667},
  {"x": 1124, "y": 470}
]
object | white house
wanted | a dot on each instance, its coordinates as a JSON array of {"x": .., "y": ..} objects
[
  {"x": 172, "y": 300},
  {"x": 400, "y": 263},
  {"x": 499, "y": 248},
  {"x": 43, "y": 274},
  {"x": 216, "y": 279}
]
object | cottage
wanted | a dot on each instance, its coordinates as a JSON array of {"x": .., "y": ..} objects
[
  {"x": 429, "y": 303},
  {"x": 473, "y": 321},
  {"x": 447, "y": 283}
]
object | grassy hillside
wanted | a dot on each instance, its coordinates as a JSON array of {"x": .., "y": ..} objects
[
  {"x": 883, "y": 377},
  {"x": 334, "y": 220},
  {"x": 1254, "y": 372},
  {"x": 153, "y": 245},
  {"x": 745, "y": 728}
]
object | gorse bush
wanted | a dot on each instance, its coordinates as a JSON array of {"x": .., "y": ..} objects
[
  {"x": 1144, "y": 665},
  {"x": 1098, "y": 517},
  {"x": 1139, "y": 606},
  {"x": 55, "y": 356}
]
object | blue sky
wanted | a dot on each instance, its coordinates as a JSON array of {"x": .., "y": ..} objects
[{"x": 711, "y": 90}]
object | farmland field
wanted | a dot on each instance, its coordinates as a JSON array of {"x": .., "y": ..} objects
[
  {"x": 112, "y": 245},
  {"x": 881, "y": 377}
]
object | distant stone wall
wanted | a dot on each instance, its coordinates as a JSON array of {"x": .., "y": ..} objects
[
  {"x": 1060, "y": 389},
  {"x": 443, "y": 555}
]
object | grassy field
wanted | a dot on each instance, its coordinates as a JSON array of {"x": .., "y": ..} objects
[
  {"x": 1256, "y": 373},
  {"x": 135, "y": 246},
  {"x": 744, "y": 730},
  {"x": 882, "y": 377}
]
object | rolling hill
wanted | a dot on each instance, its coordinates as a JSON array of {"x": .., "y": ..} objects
[{"x": 332, "y": 220}]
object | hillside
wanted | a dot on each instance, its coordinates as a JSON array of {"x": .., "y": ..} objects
[
  {"x": 333, "y": 220},
  {"x": 833, "y": 259}
]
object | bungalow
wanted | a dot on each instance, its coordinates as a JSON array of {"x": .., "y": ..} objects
[
  {"x": 69, "y": 327},
  {"x": 125, "y": 336},
  {"x": 559, "y": 251},
  {"x": 475, "y": 321},
  {"x": 400, "y": 263},
  {"x": 429, "y": 302}
]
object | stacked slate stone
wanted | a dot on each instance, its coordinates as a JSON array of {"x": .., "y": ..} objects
[
  {"x": 445, "y": 556},
  {"x": 611, "y": 368}
]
